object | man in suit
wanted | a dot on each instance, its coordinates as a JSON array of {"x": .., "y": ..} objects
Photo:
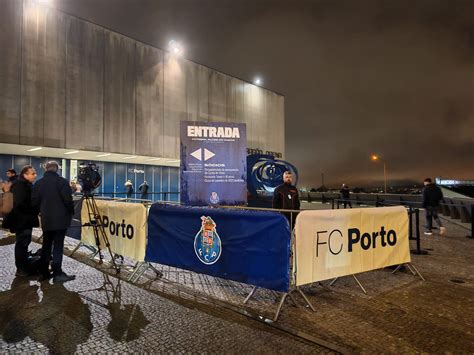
[
  {"x": 22, "y": 218},
  {"x": 52, "y": 196}
]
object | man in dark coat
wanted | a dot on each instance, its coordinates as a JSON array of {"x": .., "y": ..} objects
[
  {"x": 52, "y": 195},
  {"x": 432, "y": 195},
  {"x": 129, "y": 188},
  {"x": 11, "y": 175},
  {"x": 285, "y": 197},
  {"x": 22, "y": 218},
  {"x": 346, "y": 197},
  {"x": 144, "y": 190}
]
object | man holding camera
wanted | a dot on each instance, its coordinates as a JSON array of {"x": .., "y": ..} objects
[{"x": 52, "y": 195}]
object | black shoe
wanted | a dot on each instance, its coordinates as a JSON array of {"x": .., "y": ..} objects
[
  {"x": 63, "y": 277},
  {"x": 22, "y": 273}
]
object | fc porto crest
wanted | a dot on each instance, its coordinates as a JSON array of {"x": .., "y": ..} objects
[
  {"x": 207, "y": 243},
  {"x": 214, "y": 199}
]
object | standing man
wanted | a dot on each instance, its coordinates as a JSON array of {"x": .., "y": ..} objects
[
  {"x": 285, "y": 197},
  {"x": 432, "y": 195},
  {"x": 22, "y": 218},
  {"x": 346, "y": 197},
  {"x": 52, "y": 195},
  {"x": 143, "y": 188},
  {"x": 129, "y": 188},
  {"x": 11, "y": 175}
]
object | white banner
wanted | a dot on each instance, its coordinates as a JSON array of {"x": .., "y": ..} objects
[
  {"x": 334, "y": 243},
  {"x": 124, "y": 224}
]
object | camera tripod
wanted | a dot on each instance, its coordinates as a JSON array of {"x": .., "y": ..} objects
[{"x": 96, "y": 222}]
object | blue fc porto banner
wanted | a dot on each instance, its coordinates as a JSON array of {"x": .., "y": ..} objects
[
  {"x": 213, "y": 163},
  {"x": 245, "y": 246}
]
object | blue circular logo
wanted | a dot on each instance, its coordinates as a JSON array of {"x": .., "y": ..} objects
[
  {"x": 207, "y": 243},
  {"x": 214, "y": 199}
]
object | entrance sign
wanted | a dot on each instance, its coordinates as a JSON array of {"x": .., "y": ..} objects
[
  {"x": 213, "y": 163},
  {"x": 125, "y": 225},
  {"x": 336, "y": 243}
]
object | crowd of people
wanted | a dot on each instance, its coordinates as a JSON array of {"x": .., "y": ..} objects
[{"x": 48, "y": 203}]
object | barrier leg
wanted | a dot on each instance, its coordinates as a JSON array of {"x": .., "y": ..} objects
[
  {"x": 140, "y": 271},
  {"x": 293, "y": 299},
  {"x": 403, "y": 265},
  {"x": 398, "y": 268},
  {"x": 157, "y": 272},
  {"x": 76, "y": 248},
  {"x": 360, "y": 285},
  {"x": 135, "y": 269},
  {"x": 280, "y": 304},
  {"x": 306, "y": 299},
  {"x": 421, "y": 276},
  {"x": 250, "y": 294},
  {"x": 333, "y": 281},
  {"x": 411, "y": 269}
]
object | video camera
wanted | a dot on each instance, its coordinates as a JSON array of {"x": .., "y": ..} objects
[{"x": 89, "y": 177}]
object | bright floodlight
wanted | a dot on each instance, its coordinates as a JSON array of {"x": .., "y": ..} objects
[
  {"x": 257, "y": 81},
  {"x": 175, "y": 47}
]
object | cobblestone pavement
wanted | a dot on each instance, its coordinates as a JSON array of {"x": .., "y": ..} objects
[
  {"x": 399, "y": 314},
  {"x": 100, "y": 313}
]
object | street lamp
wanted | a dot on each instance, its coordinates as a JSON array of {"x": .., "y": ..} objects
[
  {"x": 375, "y": 158},
  {"x": 257, "y": 81},
  {"x": 175, "y": 47}
]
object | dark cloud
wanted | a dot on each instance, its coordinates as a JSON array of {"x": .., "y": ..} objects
[{"x": 392, "y": 77}]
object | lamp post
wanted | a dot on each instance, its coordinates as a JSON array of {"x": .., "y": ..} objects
[{"x": 375, "y": 158}]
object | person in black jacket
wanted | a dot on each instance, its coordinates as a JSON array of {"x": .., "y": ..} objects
[
  {"x": 22, "y": 218},
  {"x": 432, "y": 195},
  {"x": 11, "y": 175},
  {"x": 346, "y": 197},
  {"x": 143, "y": 188},
  {"x": 285, "y": 197},
  {"x": 129, "y": 188},
  {"x": 52, "y": 195}
]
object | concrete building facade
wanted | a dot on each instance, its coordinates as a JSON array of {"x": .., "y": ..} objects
[
  {"x": 76, "y": 91},
  {"x": 68, "y": 83}
]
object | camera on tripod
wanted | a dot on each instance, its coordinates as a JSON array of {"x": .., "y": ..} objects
[{"x": 89, "y": 177}]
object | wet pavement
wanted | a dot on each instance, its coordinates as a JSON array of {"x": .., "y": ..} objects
[
  {"x": 179, "y": 311},
  {"x": 100, "y": 313}
]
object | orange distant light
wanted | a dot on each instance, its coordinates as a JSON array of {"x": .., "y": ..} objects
[{"x": 374, "y": 157}]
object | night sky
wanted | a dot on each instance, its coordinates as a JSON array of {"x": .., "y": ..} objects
[{"x": 394, "y": 77}]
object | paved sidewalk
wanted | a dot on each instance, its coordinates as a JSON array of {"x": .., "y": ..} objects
[
  {"x": 98, "y": 313},
  {"x": 400, "y": 313}
]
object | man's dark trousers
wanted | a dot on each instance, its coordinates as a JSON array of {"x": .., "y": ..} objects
[
  {"x": 52, "y": 240},
  {"x": 23, "y": 240},
  {"x": 432, "y": 213}
]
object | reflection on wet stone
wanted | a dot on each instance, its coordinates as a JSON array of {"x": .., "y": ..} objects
[
  {"x": 59, "y": 319},
  {"x": 127, "y": 321},
  {"x": 7, "y": 240}
]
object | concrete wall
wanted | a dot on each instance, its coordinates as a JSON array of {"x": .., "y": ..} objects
[{"x": 68, "y": 83}]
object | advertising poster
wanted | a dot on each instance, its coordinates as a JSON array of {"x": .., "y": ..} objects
[
  {"x": 213, "y": 163},
  {"x": 335, "y": 243}
]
